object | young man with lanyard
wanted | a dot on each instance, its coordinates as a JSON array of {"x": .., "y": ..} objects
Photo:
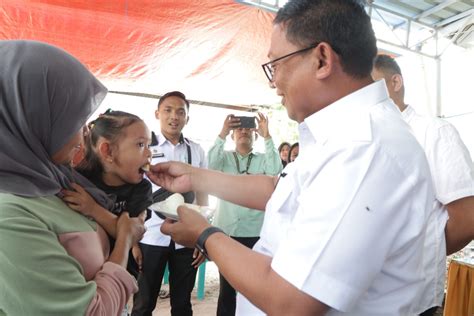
[
  {"x": 156, "y": 249},
  {"x": 344, "y": 226},
  {"x": 241, "y": 223},
  {"x": 453, "y": 178}
]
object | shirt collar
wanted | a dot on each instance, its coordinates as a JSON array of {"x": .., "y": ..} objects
[
  {"x": 408, "y": 113},
  {"x": 243, "y": 156},
  {"x": 162, "y": 139},
  {"x": 348, "y": 117}
]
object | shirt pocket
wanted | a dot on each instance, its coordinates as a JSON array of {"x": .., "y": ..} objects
[{"x": 283, "y": 203}]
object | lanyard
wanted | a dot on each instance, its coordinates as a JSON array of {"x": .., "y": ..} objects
[
  {"x": 189, "y": 154},
  {"x": 249, "y": 160}
]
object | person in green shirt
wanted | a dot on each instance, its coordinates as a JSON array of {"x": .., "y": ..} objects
[{"x": 241, "y": 223}]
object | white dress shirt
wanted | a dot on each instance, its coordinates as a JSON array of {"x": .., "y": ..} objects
[
  {"x": 163, "y": 152},
  {"x": 346, "y": 224},
  {"x": 453, "y": 178}
]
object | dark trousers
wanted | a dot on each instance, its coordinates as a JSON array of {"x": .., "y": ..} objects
[
  {"x": 182, "y": 276},
  {"x": 227, "y": 294},
  {"x": 430, "y": 312}
]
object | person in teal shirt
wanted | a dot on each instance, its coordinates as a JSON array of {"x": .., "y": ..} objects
[{"x": 241, "y": 223}]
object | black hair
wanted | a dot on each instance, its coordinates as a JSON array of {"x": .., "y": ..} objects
[
  {"x": 283, "y": 145},
  {"x": 387, "y": 63},
  {"x": 291, "y": 149},
  {"x": 174, "y": 94},
  {"x": 343, "y": 24},
  {"x": 110, "y": 126}
]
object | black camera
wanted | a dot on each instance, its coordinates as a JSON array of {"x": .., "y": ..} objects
[{"x": 247, "y": 122}]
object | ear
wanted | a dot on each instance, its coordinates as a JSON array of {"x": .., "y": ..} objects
[
  {"x": 105, "y": 151},
  {"x": 256, "y": 135},
  {"x": 232, "y": 135},
  {"x": 397, "y": 82},
  {"x": 324, "y": 59},
  {"x": 187, "y": 120},
  {"x": 157, "y": 114}
]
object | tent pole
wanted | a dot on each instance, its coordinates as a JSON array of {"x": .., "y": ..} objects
[{"x": 438, "y": 86}]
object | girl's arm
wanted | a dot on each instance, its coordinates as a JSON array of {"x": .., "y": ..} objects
[{"x": 82, "y": 202}]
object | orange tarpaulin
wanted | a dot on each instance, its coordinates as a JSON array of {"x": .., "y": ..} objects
[
  {"x": 211, "y": 50},
  {"x": 460, "y": 291}
]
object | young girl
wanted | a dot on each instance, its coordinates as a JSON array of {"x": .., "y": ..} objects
[{"x": 116, "y": 154}]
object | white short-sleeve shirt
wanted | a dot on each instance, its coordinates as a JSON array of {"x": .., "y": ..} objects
[
  {"x": 453, "y": 178},
  {"x": 347, "y": 221},
  {"x": 162, "y": 152}
]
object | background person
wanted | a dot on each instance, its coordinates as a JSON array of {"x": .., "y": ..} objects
[
  {"x": 156, "y": 250},
  {"x": 453, "y": 178},
  {"x": 293, "y": 152},
  {"x": 54, "y": 261},
  {"x": 351, "y": 172},
  {"x": 241, "y": 223},
  {"x": 283, "y": 150}
]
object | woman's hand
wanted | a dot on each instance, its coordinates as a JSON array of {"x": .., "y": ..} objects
[
  {"x": 130, "y": 229},
  {"x": 80, "y": 200},
  {"x": 129, "y": 232},
  {"x": 137, "y": 255}
]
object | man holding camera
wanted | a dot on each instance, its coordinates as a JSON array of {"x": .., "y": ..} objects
[{"x": 241, "y": 223}]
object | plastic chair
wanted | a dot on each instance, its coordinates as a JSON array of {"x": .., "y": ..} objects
[{"x": 201, "y": 279}]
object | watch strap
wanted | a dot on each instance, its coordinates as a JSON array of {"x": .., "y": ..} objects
[{"x": 201, "y": 241}]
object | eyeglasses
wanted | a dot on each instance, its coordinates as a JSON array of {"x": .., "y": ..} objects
[{"x": 269, "y": 68}]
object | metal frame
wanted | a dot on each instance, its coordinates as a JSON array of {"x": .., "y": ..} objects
[{"x": 410, "y": 23}]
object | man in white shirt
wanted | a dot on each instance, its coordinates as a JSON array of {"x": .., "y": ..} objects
[
  {"x": 156, "y": 250},
  {"x": 344, "y": 224},
  {"x": 453, "y": 179}
]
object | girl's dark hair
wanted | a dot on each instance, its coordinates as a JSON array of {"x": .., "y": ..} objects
[
  {"x": 283, "y": 145},
  {"x": 291, "y": 149},
  {"x": 110, "y": 126}
]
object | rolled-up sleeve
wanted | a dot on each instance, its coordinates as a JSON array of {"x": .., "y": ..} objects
[
  {"x": 272, "y": 165},
  {"x": 38, "y": 276},
  {"x": 114, "y": 287},
  {"x": 215, "y": 155}
]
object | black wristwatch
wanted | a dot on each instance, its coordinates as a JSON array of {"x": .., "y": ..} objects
[{"x": 203, "y": 237}]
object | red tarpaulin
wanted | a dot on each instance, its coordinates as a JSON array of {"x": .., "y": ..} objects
[{"x": 211, "y": 50}]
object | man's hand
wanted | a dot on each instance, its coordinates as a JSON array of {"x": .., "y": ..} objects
[
  {"x": 80, "y": 200},
  {"x": 188, "y": 227},
  {"x": 198, "y": 258},
  {"x": 173, "y": 176},
  {"x": 262, "y": 129},
  {"x": 230, "y": 123}
]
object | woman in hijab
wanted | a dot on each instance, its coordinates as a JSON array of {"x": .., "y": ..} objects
[{"x": 53, "y": 260}]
